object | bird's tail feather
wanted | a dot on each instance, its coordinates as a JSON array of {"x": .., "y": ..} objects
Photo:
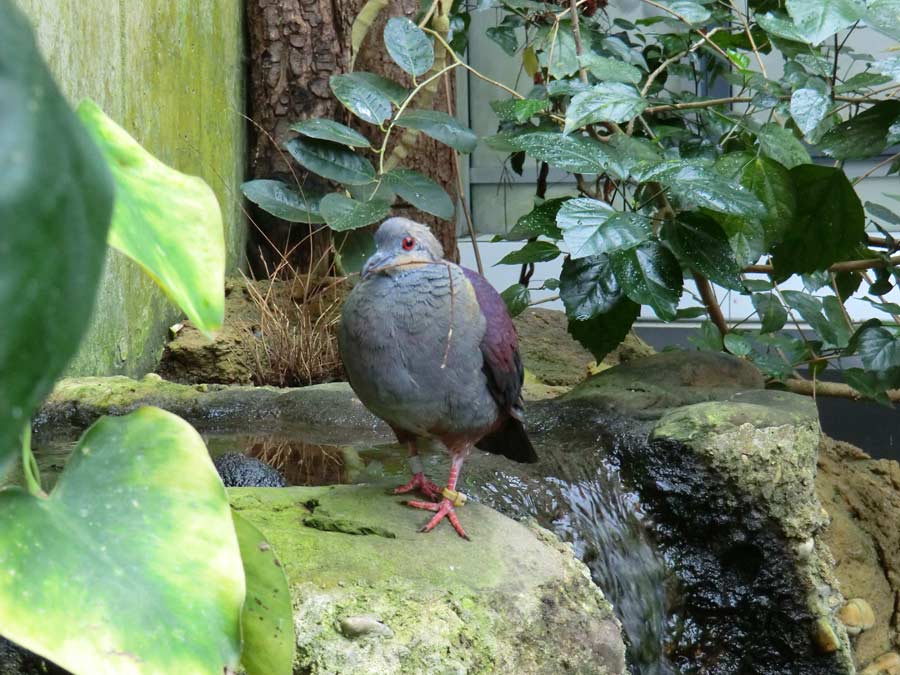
[{"x": 511, "y": 441}]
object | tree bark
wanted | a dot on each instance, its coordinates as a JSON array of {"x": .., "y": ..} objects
[{"x": 294, "y": 47}]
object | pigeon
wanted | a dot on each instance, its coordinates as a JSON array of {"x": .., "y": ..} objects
[{"x": 429, "y": 347}]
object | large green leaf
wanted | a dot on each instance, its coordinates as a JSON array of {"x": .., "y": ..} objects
[
  {"x": 282, "y": 201},
  {"x": 343, "y": 213},
  {"x": 441, "y": 127},
  {"x": 866, "y": 135},
  {"x": 131, "y": 565},
  {"x": 702, "y": 187},
  {"x": 353, "y": 247},
  {"x": 169, "y": 223},
  {"x": 603, "y": 332},
  {"x": 532, "y": 252},
  {"x": 329, "y": 130},
  {"x": 702, "y": 245},
  {"x": 408, "y": 46},
  {"x": 829, "y": 224},
  {"x": 781, "y": 26},
  {"x": 606, "y": 102},
  {"x": 588, "y": 287},
  {"x": 540, "y": 221},
  {"x": 56, "y": 198},
  {"x": 366, "y": 95},
  {"x": 421, "y": 192},
  {"x": 331, "y": 161},
  {"x": 267, "y": 620},
  {"x": 878, "y": 348},
  {"x": 519, "y": 109},
  {"x": 817, "y": 20},
  {"x": 606, "y": 69},
  {"x": 650, "y": 275},
  {"x": 516, "y": 298},
  {"x": 591, "y": 227},
  {"x": 578, "y": 154},
  {"x": 884, "y": 16},
  {"x": 781, "y": 145},
  {"x": 810, "y": 308}
]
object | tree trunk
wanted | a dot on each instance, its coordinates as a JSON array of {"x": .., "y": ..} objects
[{"x": 295, "y": 46}]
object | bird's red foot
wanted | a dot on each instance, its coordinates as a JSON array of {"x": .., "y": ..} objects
[
  {"x": 422, "y": 484},
  {"x": 442, "y": 509}
]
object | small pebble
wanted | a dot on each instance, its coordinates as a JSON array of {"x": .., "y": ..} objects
[
  {"x": 824, "y": 638},
  {"x": 857, "y": 616},
  {"x": 360, "y": 626},
  {"x": 805, "y": 548},
  {"x": 886, "y": 664},
  {"x": 152, "y": 377}
]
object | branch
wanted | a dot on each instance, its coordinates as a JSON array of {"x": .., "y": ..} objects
[
  {"x": 847, "y": 266},
  {"x": 833, "y": 389},
  {"x": 711, "y": 302},
  {"x": 712, "y": 102},
  {"x": 576, "y": 32}
]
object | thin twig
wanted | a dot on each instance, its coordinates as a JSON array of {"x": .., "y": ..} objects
[
  {"x": 875, "y": 168},
  {"x": 831, "y": 389},
  {"x": 847, "y": 266},
  {"x": 711, "y": 303},
  {"x": 576, "y": 33}
]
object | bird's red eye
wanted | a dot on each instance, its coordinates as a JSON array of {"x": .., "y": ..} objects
[{"x": 408, "y": 243}]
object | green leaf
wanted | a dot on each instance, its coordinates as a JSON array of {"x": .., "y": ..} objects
[
  {"x": 606, "y": 69},
  {"x": 829, "y": 224},
  {"x": 331, "y": 161},
  {"x": 588, "y": 287},
  {"x": 421, "y": 192},
  {"x": 701, "y": 244},
  {"x": 519, "y": 110},
  {"x": 56, "y": 199},
  {"x": 808, "y": 108},
  {"x": 779, "y": 25},
  {"x": 782, "y": 146},
  {"x": 131, "y": 565},
  {"x": 169, "y": 223},
  {"x": 504, "y": 37},
  {"x": 267, "y": 620},
  {"x": 737, "y": 344},
  {"x": 557, "y": 49},
  {"x": 577, "y": 154},
  {"x": 887, "y": 307},
  {"x": 408, "y": 46},
  {"x": 540, "y": 221},
  {"x": 603, "y": 332},
  {"x": 861, "y": 82},
  {"x": 707, "y": 338},
  {"x": 517, "y": 299},
  {"x": 532, "y": 252},
  {"x": 441, "y": 127},
  {"x": 889, "y": 68},
  {"x": 650, "y": 275},
  {"x": 810, "y": 308},
  {"x": 834, "y": 312},
  {"x": 702, "y": 187},
  {"x": 878, "y": 348},
  {"x": 329, "y": 130},
  {"x": 606, "y": 102},
  {"x": 366, "y": 95},
  {"x": 772, "y": 313},
  {"x": 772, "y": 185},
  {"x": 817, "y": 20},
  {"x": 866, "y": 135},
  {"x": 633, "y": 154},
  {"x": 342, "y": 213},
  {"x": 883, "y": 212},
  {"x": 279, "y": 199},
  {"x": 868, "y": 384},
  {"x": 353, "y": 247},
  {"x": 884, "y": 16},
  {"x": 591, "y": 227},
  {"x": 693, "y": 12}
]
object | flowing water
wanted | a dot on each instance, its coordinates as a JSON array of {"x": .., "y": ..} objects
[{"x": 575, "y": 491}]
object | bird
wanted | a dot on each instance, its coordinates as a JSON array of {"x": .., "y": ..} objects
[{"x": 429, "y": 347}]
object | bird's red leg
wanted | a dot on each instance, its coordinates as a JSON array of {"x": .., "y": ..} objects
[
  {"x": 418, "y": 481},
  {"x": 445, "y": 508}
]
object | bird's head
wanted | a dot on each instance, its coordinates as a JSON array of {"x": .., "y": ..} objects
[{"x": 402, "y": 243}]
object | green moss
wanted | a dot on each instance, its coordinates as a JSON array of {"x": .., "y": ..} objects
[{"x": 169, "y": 71}]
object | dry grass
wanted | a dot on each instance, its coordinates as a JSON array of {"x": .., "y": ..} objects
[
  {"x": 299, "y": 462},
  {"x": 296, "y": 341}
]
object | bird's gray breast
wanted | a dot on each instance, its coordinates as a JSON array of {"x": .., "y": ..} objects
[{"x": 403, "y": 359}]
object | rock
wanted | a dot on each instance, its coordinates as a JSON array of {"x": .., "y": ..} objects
[
  {"x": 238, "y": 470},
  {"x": 17, "y": 661},
  {"x": 886, "y": 664},
  {"x": 857, "y": 616},
  {"x": 387, "y": 599},
  {"x": 648, "y": 387},
  {"x": 862, "y": 498}
]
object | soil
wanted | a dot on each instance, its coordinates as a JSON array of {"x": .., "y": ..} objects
[{"x": 862, "y": 497}]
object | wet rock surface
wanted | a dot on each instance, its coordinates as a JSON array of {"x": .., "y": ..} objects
[
  {"x": 372, "y": 595},
  {"x": 238, "y": 470}
]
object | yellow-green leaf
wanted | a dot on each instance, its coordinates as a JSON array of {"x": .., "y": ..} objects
[{"x": 169, "y": 223}]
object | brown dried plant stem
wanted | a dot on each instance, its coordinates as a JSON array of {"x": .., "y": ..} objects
[{"x": 831, "y": 389}]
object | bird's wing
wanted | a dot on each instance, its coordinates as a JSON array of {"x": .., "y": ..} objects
[{"x": 499, "y": 347}]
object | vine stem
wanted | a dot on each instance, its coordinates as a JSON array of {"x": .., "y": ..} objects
[
  {"x": 30, "y": 467},
  {"x": 712, "y": 303},
  {"x": 830, "y": 389}
]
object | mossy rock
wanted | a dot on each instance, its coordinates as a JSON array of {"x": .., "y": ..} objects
[{"x": 372, "y": 595}]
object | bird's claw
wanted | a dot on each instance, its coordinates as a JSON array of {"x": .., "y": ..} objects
[
  {"x": 422, "y": 484},
  {"x": 442, "y": 509}
]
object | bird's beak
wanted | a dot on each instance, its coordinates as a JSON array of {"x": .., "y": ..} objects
[{"x": 375, "y": 262}]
